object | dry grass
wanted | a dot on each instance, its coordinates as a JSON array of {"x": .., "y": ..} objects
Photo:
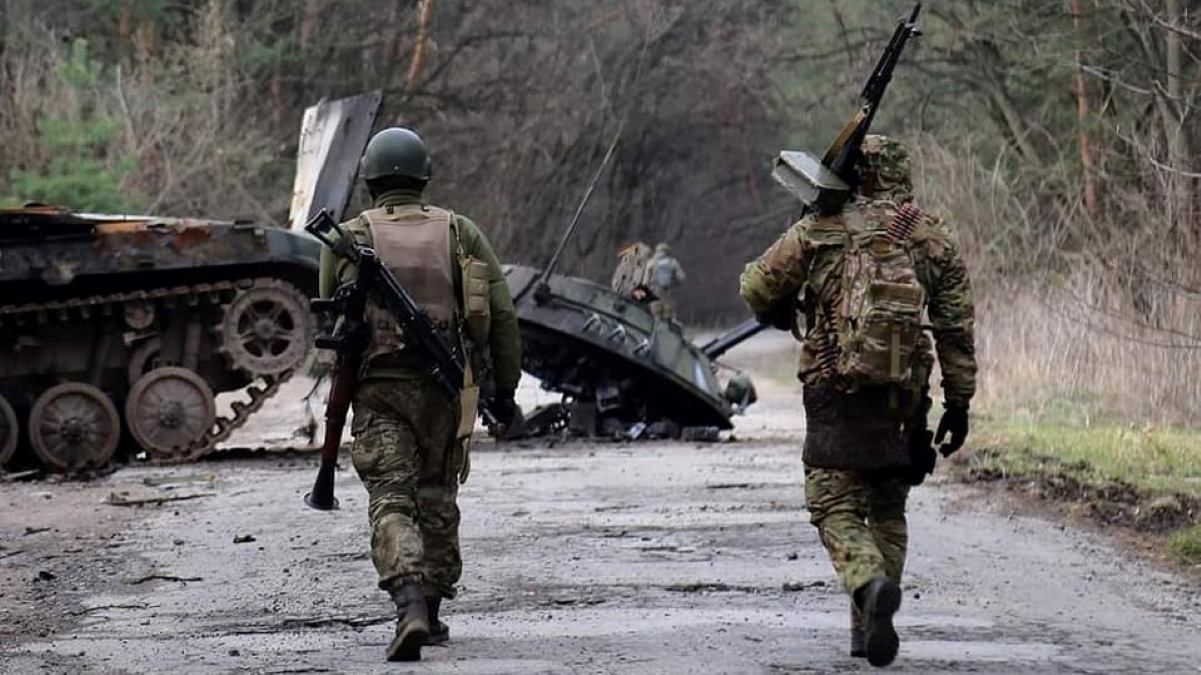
[
  {"x": 1070, "y": 355},
  {"x": 1088, "y": 335},
  {"x": 1080, "y": 321}
]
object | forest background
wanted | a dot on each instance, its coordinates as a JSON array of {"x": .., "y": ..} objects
[{"x": 1057, "y": 137}]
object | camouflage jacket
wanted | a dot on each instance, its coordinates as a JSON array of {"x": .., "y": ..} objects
[
  {"x": 808, "y": 257},
  {"x": 504, "y": 342}
]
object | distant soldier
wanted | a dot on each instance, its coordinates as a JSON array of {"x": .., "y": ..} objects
[
  {"x": 868, "y": 273},
  {"x": 409, "y": 441},
  {"x": 631, "y": 277},
  {"x": 666, "y": 276}
]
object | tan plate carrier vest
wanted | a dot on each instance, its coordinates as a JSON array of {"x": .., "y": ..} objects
[{"x": 413, "y": 242}]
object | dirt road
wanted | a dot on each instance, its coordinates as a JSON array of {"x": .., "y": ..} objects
[{"x": 588, "y": 558}]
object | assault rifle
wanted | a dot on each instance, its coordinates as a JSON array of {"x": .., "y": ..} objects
[
  {"x": 374, "y": 281},
  {"x": 825, "y": 185}
]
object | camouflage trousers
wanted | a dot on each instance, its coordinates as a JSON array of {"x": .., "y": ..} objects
[
  {"x": 860, "y": 516},
  {"x": 406, "y": 454},
  {"x": 665, "y": 306}
]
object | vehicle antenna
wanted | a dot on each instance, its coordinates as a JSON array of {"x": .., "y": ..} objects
[{"x": 579, "y": 211}]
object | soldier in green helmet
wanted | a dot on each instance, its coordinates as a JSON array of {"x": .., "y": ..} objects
[
  {"x": 870, "y": 274},
  {"x": 410, "y": 444}
]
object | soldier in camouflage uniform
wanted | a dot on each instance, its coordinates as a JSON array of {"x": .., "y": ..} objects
[
  {"x": 865, "y": 446},
  {"x": 409, "y": 445},
  {"x": 666, "y": 275}
]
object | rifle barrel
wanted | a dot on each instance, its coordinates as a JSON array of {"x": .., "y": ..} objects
[{"x": 723, "y": 343}]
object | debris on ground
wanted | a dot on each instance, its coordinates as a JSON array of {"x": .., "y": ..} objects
[
  {"x": 115, "y": 499},
  {"x": 162, "y": 577}
]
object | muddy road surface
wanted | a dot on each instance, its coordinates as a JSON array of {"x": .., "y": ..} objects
[{"x": 579, "y": 558}]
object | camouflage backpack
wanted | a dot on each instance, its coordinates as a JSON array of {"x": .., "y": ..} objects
[{"x": 877, "y": 322}]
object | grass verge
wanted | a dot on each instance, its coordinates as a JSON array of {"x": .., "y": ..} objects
[
  {"x": 1145, "y": 480},
  {"x": 1185, "y": 545}
]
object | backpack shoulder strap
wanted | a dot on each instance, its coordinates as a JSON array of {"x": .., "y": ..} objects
[{"x": 460, "y": 252}]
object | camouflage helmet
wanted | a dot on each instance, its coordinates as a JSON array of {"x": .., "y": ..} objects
[
  {"x": 884, "y": 167},
  {"x": 662, "y": 248},
  {"x": 396, "y": 152}
]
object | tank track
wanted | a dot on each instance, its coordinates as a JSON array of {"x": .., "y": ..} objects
[{"x": 216, "y": 293}]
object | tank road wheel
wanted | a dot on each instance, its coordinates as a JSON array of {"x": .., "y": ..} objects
[
  {"x": 8, "y": 431},
  {"x": 167, "y": 410},
  {"x": 74, "y": 427},
  {"x": 267, "y": 328}
]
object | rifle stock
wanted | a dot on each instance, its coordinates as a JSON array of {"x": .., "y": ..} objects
[{"x": 336, "y": 408}]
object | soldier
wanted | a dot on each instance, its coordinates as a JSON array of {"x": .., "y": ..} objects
[
  {"x": 868, "y": 273},
  {"x": 409, "y": 444},
  {"x": 666, "y": 275}
]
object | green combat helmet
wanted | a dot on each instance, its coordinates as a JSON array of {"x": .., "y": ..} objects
[
  {"x": 396, "y": 153},
  {"x": 884, "y": 168}
]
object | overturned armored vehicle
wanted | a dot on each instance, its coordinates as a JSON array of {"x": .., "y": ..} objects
[{"x": 622, "y": 370}]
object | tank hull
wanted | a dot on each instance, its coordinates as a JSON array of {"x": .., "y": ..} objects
[
  {"x": 101, "y": 302},
  {"x": 604, "y": 351}
]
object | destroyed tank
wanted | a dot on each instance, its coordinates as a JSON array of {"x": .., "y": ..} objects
[
  {"x": 121, "y": 330},
  {"x": 120, "y": 326}
]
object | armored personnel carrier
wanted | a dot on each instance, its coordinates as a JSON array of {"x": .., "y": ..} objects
[
  {"x": 622, "y": 370},
  {"x": 114, "y": 322},
  {"x": 124, "y": 328}
]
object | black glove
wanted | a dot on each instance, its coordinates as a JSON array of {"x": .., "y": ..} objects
[
  {"x": 954, "y": 421},
  {"x": 782, "y": 316}
]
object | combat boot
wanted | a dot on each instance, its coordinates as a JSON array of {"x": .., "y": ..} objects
[
  {"x": 412, "y": 625},
  {"x": 439, "y": 632},
  {"x": 879, "y": 599},
  {"x": 858, "y": 650}
]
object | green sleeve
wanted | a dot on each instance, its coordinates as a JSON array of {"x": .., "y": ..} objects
[
  {"x": 952, "y": 314},
  {"x": 778, "y": 275},
  {"x": 334, "y": 271},
  {"x": 505, "y": 338}
]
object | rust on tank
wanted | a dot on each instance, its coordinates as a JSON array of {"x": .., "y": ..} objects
[
  {"x": 131, "y": 311},
  {"x": 191, "y": 236}
]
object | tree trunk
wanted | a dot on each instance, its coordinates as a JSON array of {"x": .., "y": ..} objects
[
  {"x": 1083, "y": 113},
  {"x": 308, "y": 28},
  {"x": 1173, "y": 110},
  {"x": 125, "y": 31},
  {"x": 424, "y": 11}
]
